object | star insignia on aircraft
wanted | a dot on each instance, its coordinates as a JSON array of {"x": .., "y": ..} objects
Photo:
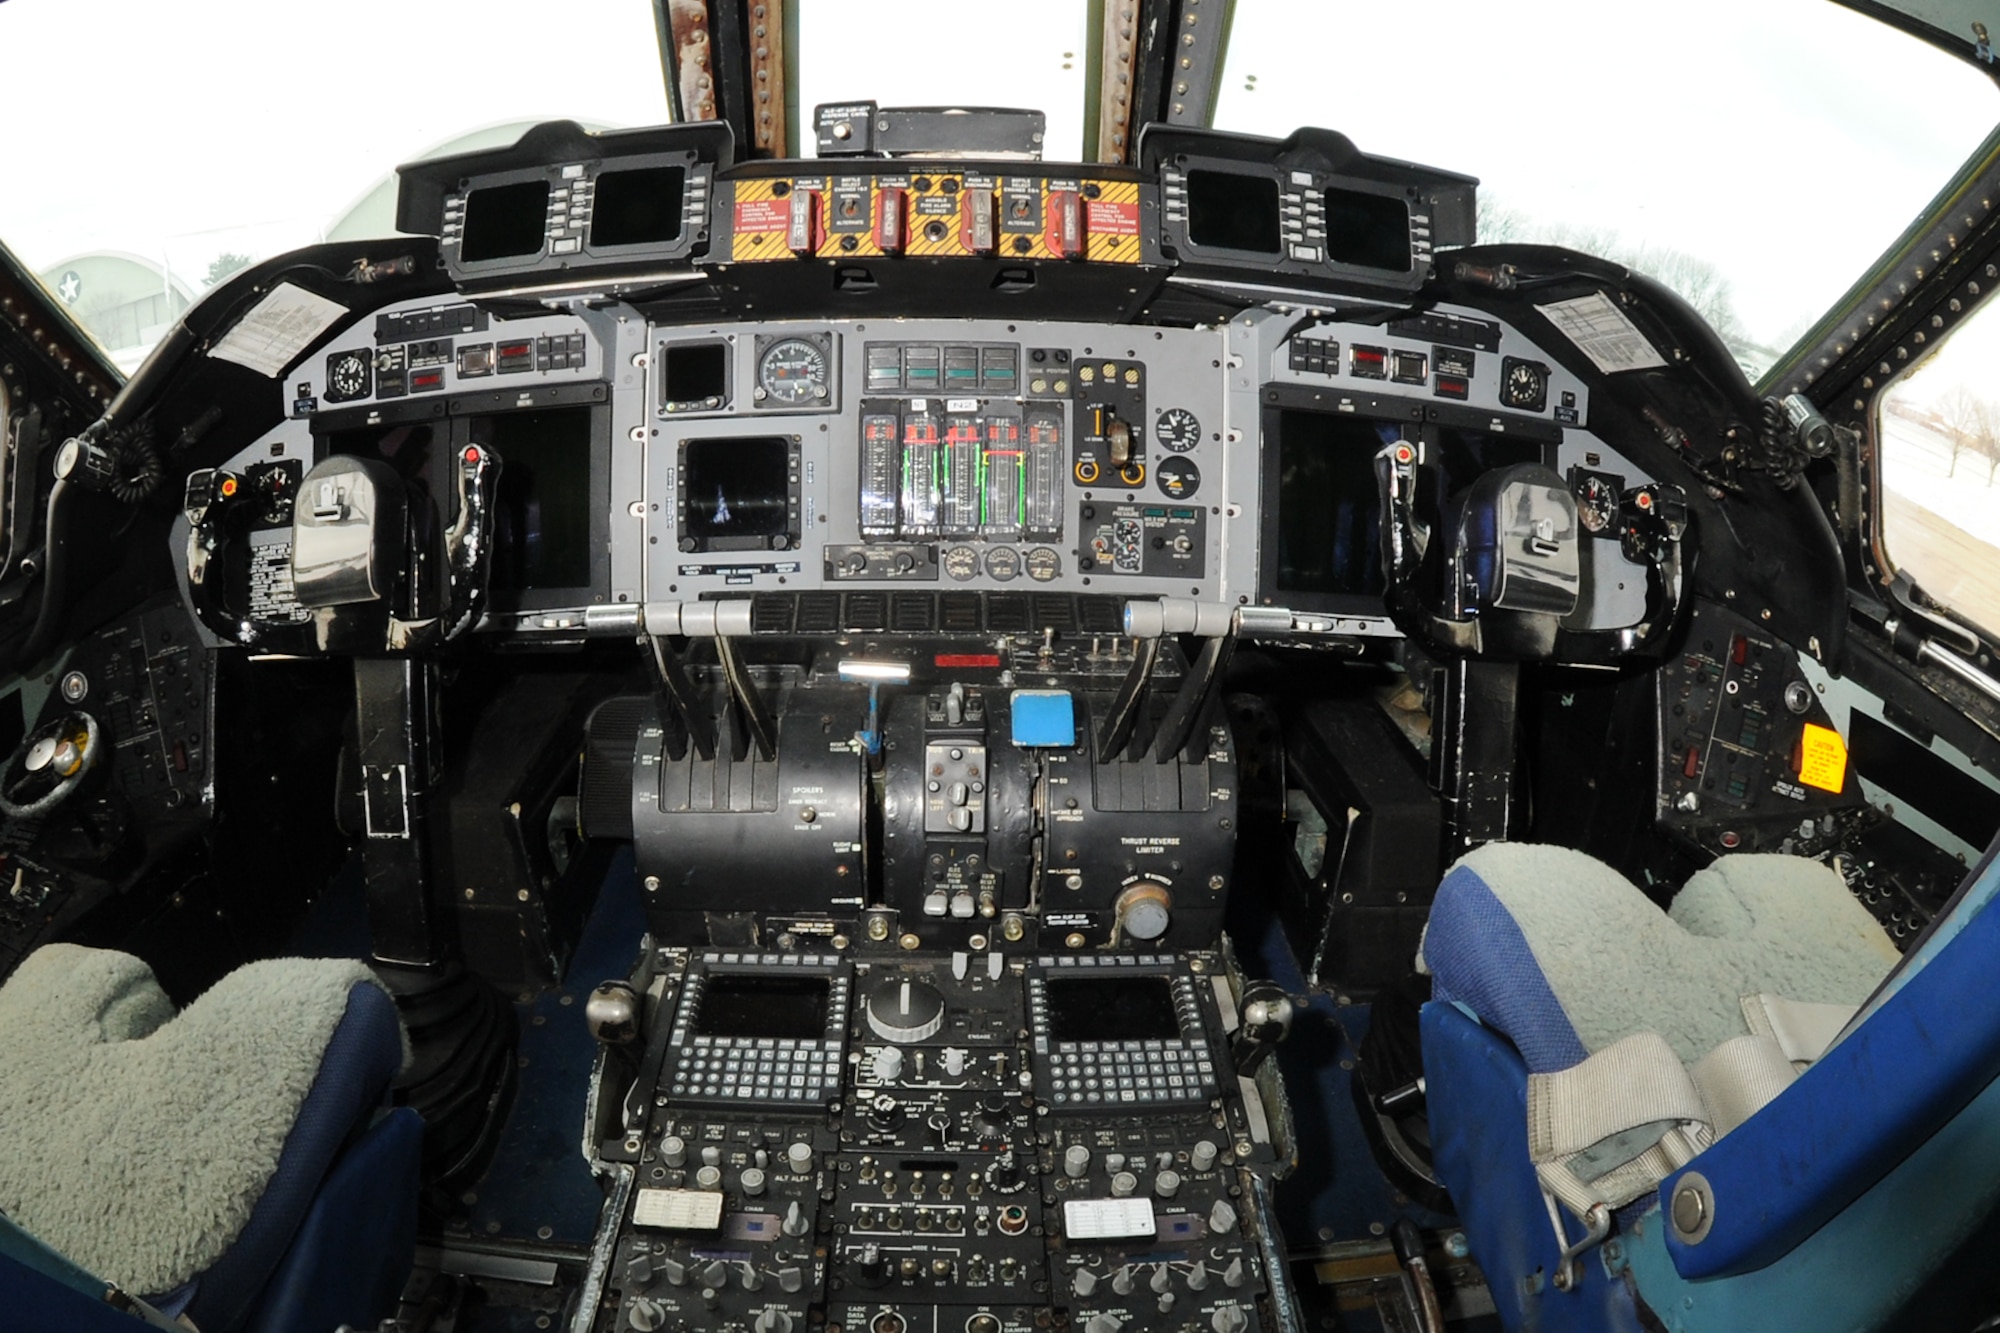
[{"x": 70, "y": 286}]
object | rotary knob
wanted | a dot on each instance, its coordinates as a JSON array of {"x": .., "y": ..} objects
[
  {"x": 1144, "y": 911},
  {"x": 905, "y": 1011}
]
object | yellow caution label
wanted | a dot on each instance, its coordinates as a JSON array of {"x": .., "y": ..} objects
[
  {"x": 1822, "y": 758},
  {"x": 949, "y": 215}
]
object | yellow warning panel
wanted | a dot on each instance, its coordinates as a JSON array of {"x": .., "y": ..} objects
[
  {"x": 936, "y": 218},
  {"x": 762, "y": 215},
  {"x": 1822, "y": 758}
]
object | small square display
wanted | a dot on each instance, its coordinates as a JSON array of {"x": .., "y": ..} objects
[
  {"x": 505, "y": 221},
  {"x": 1368, "y": 230},
  {"x": 736, "y": 487},
  {"x": 1232, "y": 211},
  {"x": 638, "y": 207}
]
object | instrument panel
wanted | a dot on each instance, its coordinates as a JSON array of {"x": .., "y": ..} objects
[{"x": 647, "y": 462}]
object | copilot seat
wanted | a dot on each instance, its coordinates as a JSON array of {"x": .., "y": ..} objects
[{"x": 1732, "y": 1115}]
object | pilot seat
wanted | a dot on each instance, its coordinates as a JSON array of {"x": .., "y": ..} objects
[{"x": 231, "y": 1165}]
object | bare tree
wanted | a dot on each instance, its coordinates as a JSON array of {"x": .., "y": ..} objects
[
  {"x": 1967, "y": 420},
  {"x": 1700, "y": 283},
  {"x": 1500, "y": 225}
]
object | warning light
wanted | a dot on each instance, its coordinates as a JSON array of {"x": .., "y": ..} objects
[
  {"x": 1645, "y": 500},
  {"x": 472, "y": 453},
  {"x": 1822, "y": 758},
  {"x": 228, "y": 487},
  {"x": 1404, "y": 453}
]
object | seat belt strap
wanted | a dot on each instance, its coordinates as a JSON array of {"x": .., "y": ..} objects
[
  {"x": 1612, "y": 1127},
  {"x": 1802, "y": 1029},
  {"x": 1739, "y": 1076}
]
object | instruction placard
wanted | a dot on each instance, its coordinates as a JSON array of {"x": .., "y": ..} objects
[
  {"x": 1601, "y": 332},
  {"x": 277, "y": 329}
]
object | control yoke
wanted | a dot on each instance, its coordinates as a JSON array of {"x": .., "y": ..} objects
[{"x": 1497, "y": 577}]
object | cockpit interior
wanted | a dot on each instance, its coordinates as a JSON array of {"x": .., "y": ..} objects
[{"x": 808, "y": 719}]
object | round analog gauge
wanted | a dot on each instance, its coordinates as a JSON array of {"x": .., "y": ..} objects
[
  {"x": 1178, "y": 478},
  {"x": 792, "y": 372},
  {"x": 346, "y": 376},
  {"x": 1177, "y": 430},
  {"x": 961, "y": 562},
  {"x": 1003, "y": 563},
  {"x": 1596, "y": 501},
  {"x": 1044, "y": 564},
  {"x": 1524, "y": 384}
]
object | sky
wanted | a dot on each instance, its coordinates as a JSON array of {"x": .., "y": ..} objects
[
  {"x": 1788, "y": 142},
  {"x": 1777, "y": 139}
]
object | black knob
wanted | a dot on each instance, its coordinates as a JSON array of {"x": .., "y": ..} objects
[{"x": 867, "y": 1268}]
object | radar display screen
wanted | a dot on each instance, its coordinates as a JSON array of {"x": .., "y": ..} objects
[
  {"x": 637, "y": 207},
  {"x": 1368, "y": 230},
  {"x": 1329, "y": 517},
  {"x": 1112, "y": 1009},
  {"x": 1232, "y": 211},
  {"x": 542, "y": 504},
  {"x": 504, "y": 221},
  {"x": 736, "y": 488},
  {"x": 792, "y": 1008}
]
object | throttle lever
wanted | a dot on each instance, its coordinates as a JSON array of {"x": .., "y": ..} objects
[{"x": 1267, "y": 1019}]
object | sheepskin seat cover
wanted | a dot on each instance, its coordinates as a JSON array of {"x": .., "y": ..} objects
[
  {"x": 138, "y": 1141},
  {"x": 1562, "y": 954}
]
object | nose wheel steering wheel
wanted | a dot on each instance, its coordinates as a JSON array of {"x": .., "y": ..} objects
[{"x": 50, "y": 765}]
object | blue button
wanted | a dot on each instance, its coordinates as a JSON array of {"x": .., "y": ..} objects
[{"x": 1044, "y": 717}]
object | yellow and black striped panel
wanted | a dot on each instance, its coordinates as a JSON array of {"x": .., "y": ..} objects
[
  {"x": 761, "y": 214},
  {"x": 932, "y": 219}
]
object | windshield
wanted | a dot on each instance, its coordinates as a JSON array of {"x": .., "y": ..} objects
[
  {"x": 158, "y": 147},
  {"x": 1758, "y": 157}
]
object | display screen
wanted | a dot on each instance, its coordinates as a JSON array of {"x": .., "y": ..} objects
[
  {"x": 736, "y": 488},
  {"x": 1368, "y": 230},
  {"x": 694, "y": 372},
  {"x": 406, "y": 447},
  {"x": 638, "y": 207},
  {"x": 739, "y": 1006},
  {"x": 1232, "y": 211},
  {"x": 541, "y": 520},
  {"x": 504, "y": 221},
  {"x": 1329, "y": 537},
  {"x": 1329, "y": 515},
  {"x": 1112, "y": 1009}
]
